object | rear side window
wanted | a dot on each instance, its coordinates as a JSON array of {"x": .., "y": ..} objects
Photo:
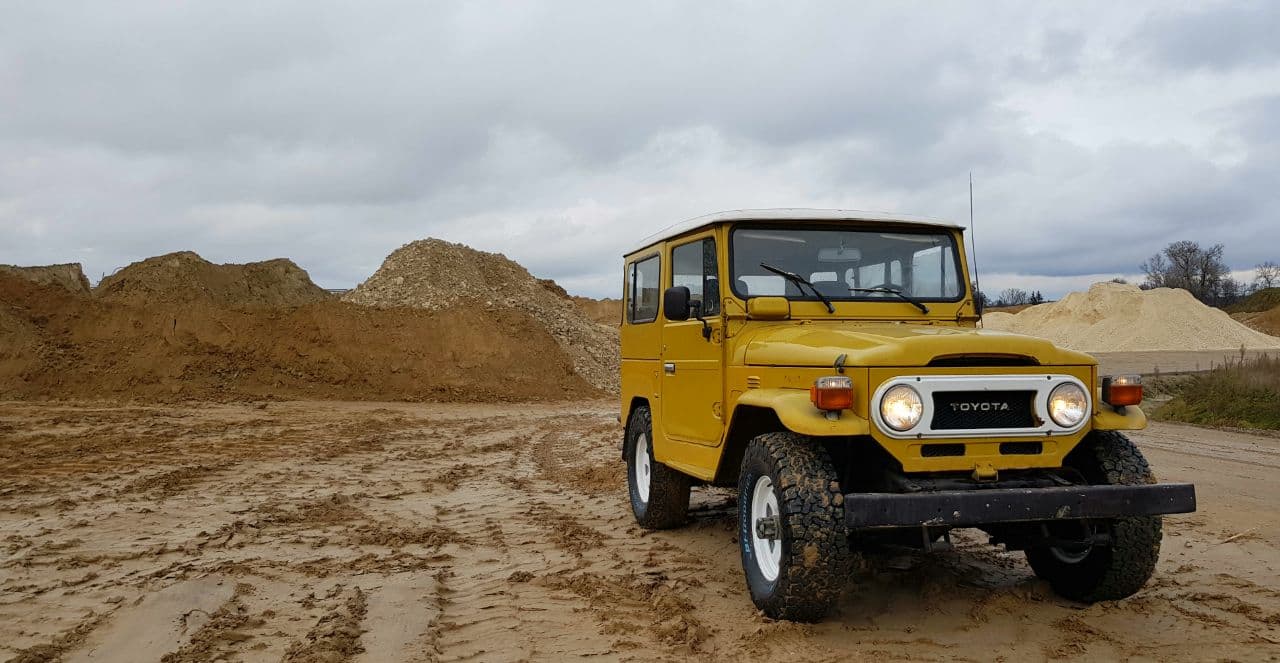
[
  {"x": 643, "y": 291},
  {"x": 693, "y": 265}
]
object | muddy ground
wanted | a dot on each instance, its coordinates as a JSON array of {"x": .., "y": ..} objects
[{"x": 380, "y": 532}]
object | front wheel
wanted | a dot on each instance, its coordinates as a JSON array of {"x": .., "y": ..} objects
[
  {"x": 791, "y": 527},
  {"x": 1122, "y": 563}
]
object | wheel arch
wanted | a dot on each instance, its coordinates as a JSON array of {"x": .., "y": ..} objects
[
  {"x": 636, "y": 403},
  {"x": 748, "y": 421}
]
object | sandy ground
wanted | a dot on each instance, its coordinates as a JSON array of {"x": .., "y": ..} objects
[{"x": 383, "y": 532}]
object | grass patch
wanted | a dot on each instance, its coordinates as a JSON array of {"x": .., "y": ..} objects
[
  {"x": 1242, "y": 394},
  {"x": 1262, "y": 300}
]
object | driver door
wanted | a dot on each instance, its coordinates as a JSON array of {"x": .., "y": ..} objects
[{"x": 692, "y": 363}]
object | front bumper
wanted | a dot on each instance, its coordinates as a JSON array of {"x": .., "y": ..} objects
[{"x": 961, "y": 508}]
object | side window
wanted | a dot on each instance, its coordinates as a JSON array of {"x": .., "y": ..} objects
[
  {"x": 693, "y": 265},
  {"x": 643, "y": 291}
]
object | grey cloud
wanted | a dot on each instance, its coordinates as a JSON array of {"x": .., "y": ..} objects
[
  {"x": 1218, "y": 37},
  {"x": 558, "y": 133}
]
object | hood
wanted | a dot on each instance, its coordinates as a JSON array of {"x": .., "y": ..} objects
[{"x": 894, "y": 344}]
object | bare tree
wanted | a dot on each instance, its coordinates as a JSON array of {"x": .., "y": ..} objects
[
  {"x": 1266, "y": 275},
  {"x": 1012, "y": 297},
  {"x": 1185, "y": 264},
  {"x": 1157, "y": 269},
  {"x": 1229, "y": 291}
]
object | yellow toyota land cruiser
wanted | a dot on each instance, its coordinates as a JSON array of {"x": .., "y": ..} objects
[{"x": 832, "y": 366}]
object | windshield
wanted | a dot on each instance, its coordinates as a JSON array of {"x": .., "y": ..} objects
[{"x": 922, "y": 265}]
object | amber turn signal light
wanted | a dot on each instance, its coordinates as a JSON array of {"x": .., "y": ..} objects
[
  {"x": 1122, "y": 390},
  {"x": 832, "y": 393}
]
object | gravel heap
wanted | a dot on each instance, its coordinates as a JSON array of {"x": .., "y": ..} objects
[
  {"x": 186, "y": 277},
  {"x": 433, "y": 274},
  {"x": 1118, "y": 317},
  {"x": 68, "y": 275}
]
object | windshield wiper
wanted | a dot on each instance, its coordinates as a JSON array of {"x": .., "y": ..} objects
[
  {"x": 914, "y": 302},
  {"x": 801, "y": 281}
]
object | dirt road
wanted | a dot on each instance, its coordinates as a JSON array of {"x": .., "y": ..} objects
[
  {"x": 1165, "y": 363},
  {"x": 380, "y": 532}
]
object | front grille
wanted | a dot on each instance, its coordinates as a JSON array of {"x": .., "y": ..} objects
[{"x": 968, "y": 410}]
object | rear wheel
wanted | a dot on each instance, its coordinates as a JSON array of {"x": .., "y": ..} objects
[
  {"x": 791, "y": 527},
  {"x": 659, "y": 494},
  {"x": 1122, "y": 563}
]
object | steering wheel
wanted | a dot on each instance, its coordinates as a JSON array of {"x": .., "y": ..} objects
[{"x": 895, "y": 286}]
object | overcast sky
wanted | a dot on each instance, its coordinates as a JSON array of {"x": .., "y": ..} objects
[{"x": 558, "y": 133}]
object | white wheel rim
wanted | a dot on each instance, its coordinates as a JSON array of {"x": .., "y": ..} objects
[
  {"x": 643, "y": 469},
  {"x": 768, "y": 552}
]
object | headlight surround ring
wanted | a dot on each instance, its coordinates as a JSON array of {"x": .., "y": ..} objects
[
  {"x": 1068, "y": 405},
  {"x": 901, "y": 407}
]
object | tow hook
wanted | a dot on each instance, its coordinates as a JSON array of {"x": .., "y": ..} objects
[{"x": 767, "y": 528}]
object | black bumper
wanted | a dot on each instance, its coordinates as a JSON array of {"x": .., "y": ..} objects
[{"x": 959, "y": 508}]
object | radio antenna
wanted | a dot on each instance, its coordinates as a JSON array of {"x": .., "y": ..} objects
[{"x": 973, "y": 248}]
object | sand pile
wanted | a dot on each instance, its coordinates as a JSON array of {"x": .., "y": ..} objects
[
  {"x": 432, "y": 274},
  {"x": 54, "y": 344},
  {"x": 186, "y": 277},
  {"x": 68, "y": 275},
  {"x": 1116, "y": 317},
  {"x": 603, "y": 311}
]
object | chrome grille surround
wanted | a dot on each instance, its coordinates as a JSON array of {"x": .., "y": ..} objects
[{"x": 927, "y": 385}]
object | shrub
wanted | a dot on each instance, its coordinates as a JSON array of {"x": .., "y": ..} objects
[{"x": 1244, "y": 394}]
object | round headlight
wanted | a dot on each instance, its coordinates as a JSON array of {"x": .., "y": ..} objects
[
  {"x": 901, "y": 407},
  {"x": 1068, "y": 405}
]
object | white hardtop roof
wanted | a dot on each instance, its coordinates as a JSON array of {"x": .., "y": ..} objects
[{"x": 784, "y": 214}]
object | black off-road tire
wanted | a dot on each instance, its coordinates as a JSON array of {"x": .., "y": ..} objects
[
  {"x": 1118, "y": 570},
  {"x": 668, "y": 503},
  {"x": 815, "y": 549}
]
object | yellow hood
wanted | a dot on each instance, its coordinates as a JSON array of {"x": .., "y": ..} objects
[{"x": 819, "y": 343}]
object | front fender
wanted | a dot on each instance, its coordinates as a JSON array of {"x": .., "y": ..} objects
[
  {"x": 797, "y": 413},
  {"x": 1105, "y": 417}
]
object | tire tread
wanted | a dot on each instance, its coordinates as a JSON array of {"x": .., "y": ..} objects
[
  {"x": 817, "y": 557},
  {"x": 1110, "y": 458},
  {"x": 668, "y": 505}
]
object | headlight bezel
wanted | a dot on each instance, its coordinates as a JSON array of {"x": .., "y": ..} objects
[
  {"x": 1079, "y": 399},
  {"x": 917, "y": 409}
]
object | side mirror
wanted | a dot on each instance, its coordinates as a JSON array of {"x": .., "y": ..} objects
[{"x": 675, "y": 303}]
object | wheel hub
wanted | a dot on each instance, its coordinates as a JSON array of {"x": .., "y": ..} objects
[{"x": 767, "y": 528}]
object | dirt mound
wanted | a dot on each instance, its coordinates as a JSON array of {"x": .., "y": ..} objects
[
  {"x": 186, "y": 277},
  {"x": 1115, "y": 317},
  {"x": 1262, "y": 300},
  {"x": 432, "y": 274},
  {"x": 57, "y": 345},
  {"x": 602, "y": 311},
  {"x": 1267, "y": 322},
  {"x": 67, "y": 275}
]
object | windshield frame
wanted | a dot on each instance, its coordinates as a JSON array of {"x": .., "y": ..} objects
[{"x": 860, "y": 298}]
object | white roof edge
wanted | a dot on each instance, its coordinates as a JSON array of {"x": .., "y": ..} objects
[{"x": 784, "y": 214}]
